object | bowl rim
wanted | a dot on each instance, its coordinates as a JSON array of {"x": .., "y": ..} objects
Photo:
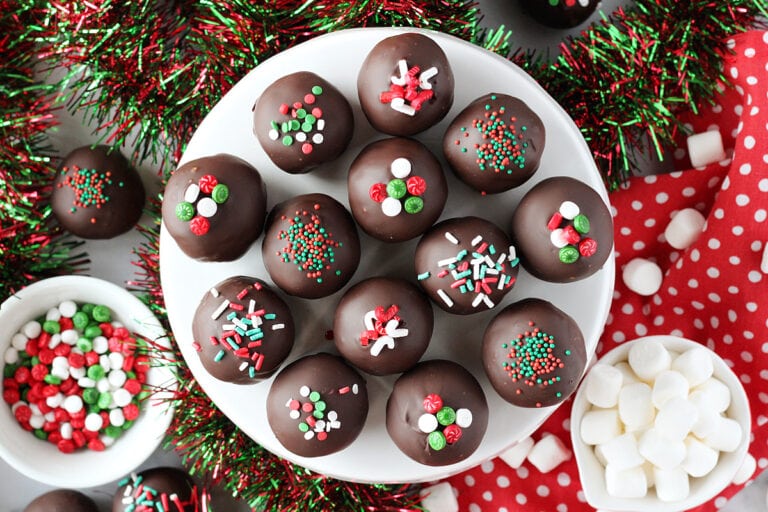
[
  {"x": 42, "y": 461},
  {"x": 704, "y": 488}
]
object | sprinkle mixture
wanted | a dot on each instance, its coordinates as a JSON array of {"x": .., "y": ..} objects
[
  {"x": 568, "y": 228},
  {"x": 201, "y": 202},
  {"x": 477, "y": 272},
  {"x": 140, "y": 497},
  {"x": 408, "y": 91},
  {"x": 315, "y": 420},
  {"x": 89, "y": 185},
  {"x": 300, "y": 122},
  {"x": 310, "y": 246},
  {"x": 74, "y": 377},
  {"x": 382, "y": 328},
  {"x": 245, "y": 330},
  {"x": 403, "y": 192},
  {"x": 442, "y": 424}
]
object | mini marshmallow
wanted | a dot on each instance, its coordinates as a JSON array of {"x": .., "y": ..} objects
[
  {"x": 515, "y": 456},
  {"x": 636, "y": 406},
  {"x": 695, "y": 364},
  {"x": 764, "y": 260},
  {"x": 746, "y": 470},
  {"x": 726, "y": 437},
  {"x": 642, "y": 276},
  {"x": 548, "y": 453},
  {"x": 600, "y": 426},
  {"x": 660, "y": 451},
  {"x": 650, "y": 478},
  {"x": 706, "y": 423},
  {"x": 626, "y": 483},
  {"x": 700, "y": 459},
  {"x": 671, "y": 484},
  {"x": 439, "y": 498},
  {"x": 712, "y": 394},
  {"x": 669, "y": 384},
  {"x": 676, "y": 418},
  {"x": 627, "y": 374},
  {"x": 705, "y": 148},
  {"x": 603, "y": 385},
  {"x": 684, "y": 228},
  {"x": 621, "y": 452},
  {"x": 649, "y": 358}
]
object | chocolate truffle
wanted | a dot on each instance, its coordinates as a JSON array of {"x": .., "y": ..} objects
[
  {"x": 437, "y": 413},
  {"x": 242, "y": 330},
  {"x": 560, "y": 13},
  {"x": 563, "y": 230},
  {"x": 214, "y": 207},
  {"x": 302, "y": 121},
  {"x": 96, "y": 193},
  {"x": 317, "y": 405},
  {"x": 158, "y": 486},
  {"x": 494, "y": 144},
  {"x": 466, "y": 265},
  {"x": 533, "y": 354},
  {"x": 62, "y": 500},
  {"x": 383, "y": 325},
  {"x": 396, "y": 189},
  {"x": 405, "y": 84},
  {"x": 311, "y": 247}
]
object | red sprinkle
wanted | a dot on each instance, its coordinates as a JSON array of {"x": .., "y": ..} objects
[
  {"x": 306, "y": 148},
  {"x": 131, "y": 412},
  {"x": 309, "y": 99},
  {"x": 66, "y": 323},
  {"x": 554, "y": 221},
  {"x": 66, "y": 446},
  {"x": 207, "y": 183},
  {"x": 416, "y": 185},
  {"x": 587, "y": 247},
  {"x": 199, "y": 225},
  {"x": 571, "y": 235},
  {"x": 11, "y": 396},
  {"x": 432, "y": 403},
  {"x": 378, "y": 192},
  {"x": 452, "y": 433}
]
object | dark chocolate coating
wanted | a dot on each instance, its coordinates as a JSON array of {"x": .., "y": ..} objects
[
  {"x": 494, "y": 150},
  {"x": 375, "y": 78},
  {"x": 537, "y": 253},
  {"x": 62, "y": 500},
  {"x": 335, "y": 113},
  {"x": 158, "y": 481},
  {"x": 510, "y": 339},
  {"x": 434, "y": 247},
  {"x": 96, "y": 193},
  {"x": 342, "y": 391},
  {"x": 564, "y": 14},
  {"x": 275, "y": 337},
  {"x": 324, "y": 274},
  {"x": 458, "y": 390},
  {"x": 363, "y": 348},
  {"x": 373, "y": 166},
  {"x": 238, "y": 221}
]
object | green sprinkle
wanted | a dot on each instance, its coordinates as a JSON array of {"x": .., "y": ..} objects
[
  {"x": 436, "y": 440},
  {"x": 317, "y": 90},
  {"x": 101, "y": 314},
  {"x": 581, "y": 223},
  {"x": 301, "y": 113},
  {"x": 396, "y": 188},
  {"x": 96, "y": 372},
  {"x": 219, "y": 355},
  {"x": 569, "y": 254},
  {"x": 303, "y": 427},
  {"x": 220, "y": 193},
  {"x": 87, "y": 309},
  {"x": 567, "y": 352},
  {"x": 104, "y": 400},
  {"x": 320, "y": 405},
  {"x": 446, "y": 416},
  {"x": 80, "y": 320},
  {"x": 414, "y": 204},
  {"x": 185, "y": 211},
  {"x": 52, "y": 379},
  {"x": 51, "y": 326},
  {"x": 84, "y": 344},
  {"x": 287, "y": 140},
  {"x": 127, "y": 424},
  {"x": 113, "y": 431},
  {"x": 92, "y": 331},
  {"x": 423, "y": 276},
  {"x": 314, "y": 396},
  {"x": 9, "y": 370},
  {"x": 91, "y": 396},
  {"x": 40, "y": 434}
]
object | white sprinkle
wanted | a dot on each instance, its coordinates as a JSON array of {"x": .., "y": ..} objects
[
  {"x": 109, "y": 441},
  {"x": 491, "y": 271},
  {"x": 251, "y": 306},
  {"x": 69, "y": 336},
  {"x": 116, "y": 417},
  {"x": 320, "y": 124},
  {"x": 464, "y": 418},
  {"x": 66, "y": 430},
  {"x": 207, "y": 207},
  {"x": 294, "y": 415},
  {"x": 53, "y": 314},
  {"x": 424, "y": 77},
  {"x": 402, "y": 67},
  {"x": 477, "y": 240},
  {"x": 451, "y": 238},
  {"x": 104, "y": 362},
  {"x": 446, "y": 262},
  {"x": 445, "y": 297},
  {"x": 67, "y": 309},
  {"x": 61, "y": 372},
  {"x": 273, "y": 134},
  {"x": 427, "y": 423},
  {"x": 355, "y": 389},
  {"x": 391, "y": 207},
  {"x": 86, "y": 382},
  {"x": 192, "y": 193},
  {"x": 11, "y": 356},
  {"x": 37, "y": 421},
  {"x": 122, "y": 397},
  {"x": 489, "y": 261},
  {"x": 72, "y": 404},
  {"x": 500, "y": 286},
  {"x": 488, "y": 302},
  {"x": 55, "y": 340},
  {"x": 478, "y": 299},
  {"x": 117, "y": 378},
  {"x": 100, "y": 344},
  {"x": 398, "y": 105},
  {"x": 334, "y": 424},
  {"x": 19, "y": 341},
  {"x": 318, "y": 138},
  {"x": 512, "y": 253},
  {"x": 320, "y": 426},
  {"x": 32, "y": 329},
  {"x": 116, "y": 360},
  {"x": 93, "y": 422},
  {"x": 277, "y": 327},
  {"x": 301, "y": 137},
  {"x": 557, "y": 238},
  {"x": 243, "y": 366},
  {"x": 102, "y": 385},
  {"x": 55, "y": 400},
  {"x": 309, "y": 434},
  {"x": 77, "y": 373},
  {"x": 214, "y": 292},
  {"x": 304, "y": 391},
  {"x": 240, "y": 324},
  {"x": 569, "y": 210},
  {"x": 333, "y": 416},
  {"x": 400, "y": 167},
  {"x": 220, "y": 310},
  {"x": 228, "y": 327}
]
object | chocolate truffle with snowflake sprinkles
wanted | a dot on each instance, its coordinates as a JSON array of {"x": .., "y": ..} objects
[
  {"x": 160, "y": 489},
  {"x": 214, "y": 207},
  {"x": 495, "y": 144},
  {"x": 560, "y": 13},
  {"x": 397, "y": 189},
  {"x": 533, "y": 354},
  {"x": 437, "y": 413},
  {"x": 405, "y": 84},
  {"x": 96, "y": 193},
  {"x": 563, "y": 230},
  {"x": 311, "y": 247},
  {"x": 242, "y": 330},
  {"x": 317, "y": 405},
  {"x": 302, "y": 121},
  {"x": 466, "y": 265}
]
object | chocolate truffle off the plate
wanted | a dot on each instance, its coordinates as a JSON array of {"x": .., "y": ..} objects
[
  {"x": 242, "y": 330},
  {"x": 158, "y": 489},
  {"x": 560, "y": 13},
  {"x": 96, "y": 193},
  {"x": 62, "y": 500}
]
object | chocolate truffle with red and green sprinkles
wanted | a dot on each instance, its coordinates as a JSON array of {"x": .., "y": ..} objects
[
  {"x": 242, "y": 330},
  {"x": 495, "y": 144},
  {"x": 563, "y": 230},
  {"x": 96, "y": 193},
  {"x": 74, "y": 377},
  {"x": 311, "y": 247},
  {"x": 160, "y": 489},
  {"x": 302, "y": 121},
  {"x": 214, "y": 207},
  {"x": 466, "y": 265},
  {"x": 533, "y": 354},
  {"x": 397, "y": 189},
  {"x": 317, "y": 405},
  {"x": 437, "y": 413},
  {"x": 560, "y": 13}
]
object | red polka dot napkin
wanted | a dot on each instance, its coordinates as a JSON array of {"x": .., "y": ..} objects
[{"x": 713, "y": 292}]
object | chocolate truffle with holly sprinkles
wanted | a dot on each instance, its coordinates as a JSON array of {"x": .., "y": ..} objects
[
  {"x": 533, "y": 354},
  {"x": 560, "y": 13},
  {"x": 160, "y": 489},
  {"x": 311, "y": 247},
  {"x": 302, "y": 121},
  {"x": 437, "y": 413},
  {"x": 214, "y": 207},
  {"x": 96, "y": 193}
]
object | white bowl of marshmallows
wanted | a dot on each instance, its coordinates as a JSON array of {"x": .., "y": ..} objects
[{"x": 659, "y": 424}]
